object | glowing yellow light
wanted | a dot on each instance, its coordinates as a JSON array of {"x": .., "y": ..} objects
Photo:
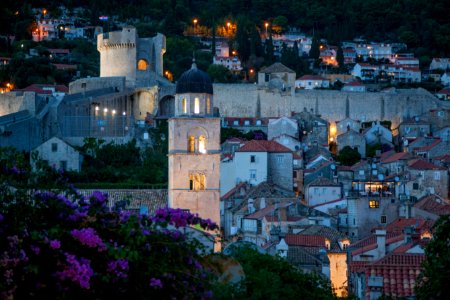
[{"x": 195, "y": 21}]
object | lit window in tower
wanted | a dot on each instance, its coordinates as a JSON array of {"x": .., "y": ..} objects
[
  {"x": 191, "y": 144},
  {"x": 142, "y": 65},
  {"x": 202, "y": 144},
  {"x": 197, "y": 182},
  {"x": 197, "y": 106},
  {"x": 184, "y": 105},
  {"x": 208, "y": 105}
]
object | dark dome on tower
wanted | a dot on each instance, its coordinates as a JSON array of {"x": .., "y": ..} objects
[{"x": 194, "y": 81}]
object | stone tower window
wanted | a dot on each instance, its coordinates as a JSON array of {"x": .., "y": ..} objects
[
  {"x": 142, "y": 65},
  {"x": 208, "y": 105},
  {"x": 197, "y": 182},
  {"x": 191, "y": 144},
  {"x": 197, "y": 105},
  {"x": 184, "y": 106},
  {"x": 202, "y": 144}
]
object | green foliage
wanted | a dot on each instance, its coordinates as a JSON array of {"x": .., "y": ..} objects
[
  {"x": 433, "y": 281},
  {"x": 315, "y": 51},
  {"x": 65, "y": 246},
  {"x": 372, "y": 149},
  {"x": 286, "y": 282},
  {"x": 348, "y": 156},
  {"x": 219, "y": 73}
]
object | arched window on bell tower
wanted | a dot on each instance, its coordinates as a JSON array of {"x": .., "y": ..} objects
[
  {"x": 202, "y": 144},
  {"x": 197, "y": 105},
  {"x": 208, "y": 105},
  {"x": 191, "y": 144},
  {"x": 184, "y": 106}
]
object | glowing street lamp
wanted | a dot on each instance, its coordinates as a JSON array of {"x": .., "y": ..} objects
[
  {"x": 266, "y": 25},
  {"x": 195, "y": 21}
]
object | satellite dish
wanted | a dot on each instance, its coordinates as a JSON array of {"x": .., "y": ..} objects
[
  {"x": 380, "y": 177},
  {"x": 333, "y": 166},
  {"x": 396, "y": 179}
]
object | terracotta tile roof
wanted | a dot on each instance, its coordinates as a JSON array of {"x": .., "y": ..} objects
[
  {"x": 330, "y": 233},
  {"x": 444, "y": 92},
  {"x": 152, "y": 199},
  {"x": 271, "y": 218},
  {"x": 353, "y": 83},
  {"x": 277, "y": 68},
  {"x": 263, "y": 146},
  {"x": 305, "y": 240},
  {"x": 403, "y": 248},
  {"x": 370, "y": 242},
  {"x": 344, "y": 168},
  {"x": 400, "y": 224},
  {"x": 398, "y": 270},
  {"x": 233, "y": 190},
  {"x": 396, "y": 157},
  {"x": 329, "y": 202},
  {"x": 45, "y": 88},
  {"x": 423, "y": 165},
  {"x": 268, "y": 210},
  {"x": 296, "y": 156},
  {"x": 434, "y": 205},
  {"x": 434, "y": 143},
  {"x": 311, "y": 77}
]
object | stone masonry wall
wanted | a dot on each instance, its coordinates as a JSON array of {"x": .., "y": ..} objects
[{"x": 244, "y": 100}]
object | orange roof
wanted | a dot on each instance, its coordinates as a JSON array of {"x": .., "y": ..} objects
[
  {"x": 423, "y": 165},
  {"x": 401, "y": 223},
  {"x": 434, "y": 205},
  {"x": 396, "y": 157},
  {"x": 305, "y": 240},
  {"x": 263, "y": 146}
]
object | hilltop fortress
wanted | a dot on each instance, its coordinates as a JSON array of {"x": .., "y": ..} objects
[{"x": 131, "y": 90}]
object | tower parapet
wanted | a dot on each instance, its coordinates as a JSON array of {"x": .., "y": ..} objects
[{"x": 123, "y": 53}]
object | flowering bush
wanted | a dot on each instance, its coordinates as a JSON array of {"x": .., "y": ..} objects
[{"x": 64, "y": 246}]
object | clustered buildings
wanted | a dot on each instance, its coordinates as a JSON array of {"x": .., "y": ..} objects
[{"x": 363, "y": 226}]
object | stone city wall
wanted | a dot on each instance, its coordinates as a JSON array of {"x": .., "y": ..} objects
[
  {"x": 17, "y": 101},
  {"x": 246, "y": 100}
]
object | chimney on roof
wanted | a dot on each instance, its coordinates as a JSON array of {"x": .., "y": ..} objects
[
  {"x": 381, "y": 242},
  {"x": 408, "y": 232}
]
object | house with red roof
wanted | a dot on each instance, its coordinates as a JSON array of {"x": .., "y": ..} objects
[
  {"x": 431, "y": 207},
  {"x": 444, "y": 94},
  {"x": 257, "y": 161},
  {"x": 412, "y": 128},
  {"x": 310, "y": 82},
  {"x": 389, "y": 260}
]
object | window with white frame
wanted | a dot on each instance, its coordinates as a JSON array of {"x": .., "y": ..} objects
[
  {"x": 253, "y": 174},
  {"x": 437, "y": 175}
]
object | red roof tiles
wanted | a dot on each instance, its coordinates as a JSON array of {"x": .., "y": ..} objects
[
  {"x": 263, "y": 146},
  {"x": 423, "y": 165},
  {"x": 305, "y": 240}
]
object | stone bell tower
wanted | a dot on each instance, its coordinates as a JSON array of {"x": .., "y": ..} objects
[{"x": 194, "y": 147}]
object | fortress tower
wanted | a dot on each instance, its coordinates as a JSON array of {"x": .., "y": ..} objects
[
  {"x": 194, "y": 147},
  {"x": 123, "y": 53}
]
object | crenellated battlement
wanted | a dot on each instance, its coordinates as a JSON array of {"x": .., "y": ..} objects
[{"x": 106, "y": 45}]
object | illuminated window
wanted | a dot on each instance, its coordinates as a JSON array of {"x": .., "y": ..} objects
[
  {"x": 191, "y": 144},
  {"x": 202, "y": 144},
  {"x": 184, "y": 105},
  {"x": 197, "y": 106},
  {"x": 374, "y": 204},
  {"x": 142, "y": 65},
  {"x": 208, "y": 106},
  {"x": 197, "y": 182}
]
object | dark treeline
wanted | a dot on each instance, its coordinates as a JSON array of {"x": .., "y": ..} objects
[{"x": 420, "y": 23}]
